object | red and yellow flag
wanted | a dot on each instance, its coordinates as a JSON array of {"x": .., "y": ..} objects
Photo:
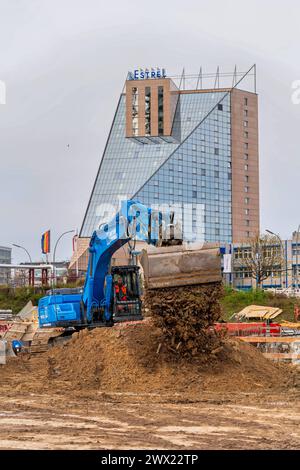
[{"x": 46, "y": 242}]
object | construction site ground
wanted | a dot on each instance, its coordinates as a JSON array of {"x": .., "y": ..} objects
[{"x": 118, "y": 389}]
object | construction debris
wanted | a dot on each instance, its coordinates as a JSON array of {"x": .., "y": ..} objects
[
  {"x": 6, "y": 315},
  {"x": 257, "y": 312},
  {"x": 28, "y": 313}
]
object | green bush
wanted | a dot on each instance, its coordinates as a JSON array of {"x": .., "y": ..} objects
[{"x": 235, "y": 300}]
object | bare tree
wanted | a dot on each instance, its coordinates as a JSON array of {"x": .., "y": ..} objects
[{"x": 260, "y": 256}]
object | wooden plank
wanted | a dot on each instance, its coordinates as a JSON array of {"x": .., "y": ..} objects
[
  {"x": 282, "y": 355},
  {"x": 270, "y": 339}
]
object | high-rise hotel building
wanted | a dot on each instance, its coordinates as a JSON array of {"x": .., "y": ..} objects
[{"x": 174, "y": 142}]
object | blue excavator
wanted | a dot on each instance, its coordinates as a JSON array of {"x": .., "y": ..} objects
[
  {"x": 166, "y": 262},
  {"x": 97, "y": 303}
]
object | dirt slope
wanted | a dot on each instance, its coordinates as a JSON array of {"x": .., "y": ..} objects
[{"x": 133, "y": 358}]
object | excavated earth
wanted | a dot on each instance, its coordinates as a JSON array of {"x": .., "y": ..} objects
[
  {"x": 120, "y": 388},
  {"x": 168, "y": 382}
]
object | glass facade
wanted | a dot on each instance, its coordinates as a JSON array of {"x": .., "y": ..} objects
[
  {"x": 196, "y": 179},
  {"x": 193, "y": 173}
]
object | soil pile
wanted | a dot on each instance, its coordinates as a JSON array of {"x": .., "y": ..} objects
[
  {"x": 132, "y": 358},
  {"x": 185, "y": 315}
]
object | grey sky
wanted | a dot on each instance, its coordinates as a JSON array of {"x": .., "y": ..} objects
[{"x": 64, "y": 63}]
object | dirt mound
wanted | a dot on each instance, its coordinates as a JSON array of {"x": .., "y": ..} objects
[
  {"x": 184, "y": 315},
  {"x": 133, "y": 359}
]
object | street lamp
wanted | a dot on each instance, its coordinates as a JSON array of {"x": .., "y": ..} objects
[
  {"x": 54, "y": 252},
  {"x": 22, "y": 248},
  {"x": 283, "y": 251}
]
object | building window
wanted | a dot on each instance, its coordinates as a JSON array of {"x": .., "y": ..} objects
[
  {"x": 203, "y": 172},
  {"x": 246, "y": 167},
  {"x": 246, "y": 156},
  {"x": 246, "y": 112},
  {"x": 245, "y": 123},
  {"x": 246, "y": 135},
  {"x": 147, "y": 110},
  {"x": 216, "y": 151},
  {"x": 247, "y": 211},
  {"x": 246, "y": 145},
  {"x": 216, "y": 174},
  {"x": 135, "y": 111},
  {"x": 247, "y": 200},
  {"x": 220, "y": 107},
  {"x": 248, "y": 234},
  {"x": 246, "y": 178},
  {"x": 160, "y": 110},
  {"x": 194, "y": 194},
  {"x": 245, "y": 101},
  {"x": 246, "y": 189},
  {"x": 247, "y": 222}
]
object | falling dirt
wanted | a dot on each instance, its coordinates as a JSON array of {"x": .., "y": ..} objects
[{"x": 185, "y": 315}]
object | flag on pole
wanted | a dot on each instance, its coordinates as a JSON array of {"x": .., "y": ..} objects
[{"x": 45, "y": 241}]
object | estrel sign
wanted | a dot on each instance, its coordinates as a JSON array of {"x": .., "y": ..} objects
[{"x": 144, "y": 74}]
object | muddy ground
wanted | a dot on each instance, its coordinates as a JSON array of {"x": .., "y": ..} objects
[
  {"x": 129, "y": 421},
  {"x": 119, "y": 389}
]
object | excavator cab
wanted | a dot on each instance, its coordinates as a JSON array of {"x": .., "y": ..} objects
[{"x": 126, "y": 293}]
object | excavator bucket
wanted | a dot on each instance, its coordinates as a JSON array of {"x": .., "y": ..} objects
[{"x": 183, "y": 265}]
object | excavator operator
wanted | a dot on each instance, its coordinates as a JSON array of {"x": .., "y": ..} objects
[{"x": 120, "y": 290}]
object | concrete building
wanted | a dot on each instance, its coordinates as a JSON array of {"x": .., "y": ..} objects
[
  {"x": 5, "y": 258},
  {"x": 185, "y": 144},
  {"x": 283, "y": 276}
]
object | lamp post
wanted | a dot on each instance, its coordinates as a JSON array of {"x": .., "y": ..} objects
[
  {"x": 54, "y": 252},
  {"x": 23, "y": 248},
  {"x": 283, "y": 252}
]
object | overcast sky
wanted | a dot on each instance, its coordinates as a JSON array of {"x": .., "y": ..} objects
[{"x": 64, "y": 63}]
